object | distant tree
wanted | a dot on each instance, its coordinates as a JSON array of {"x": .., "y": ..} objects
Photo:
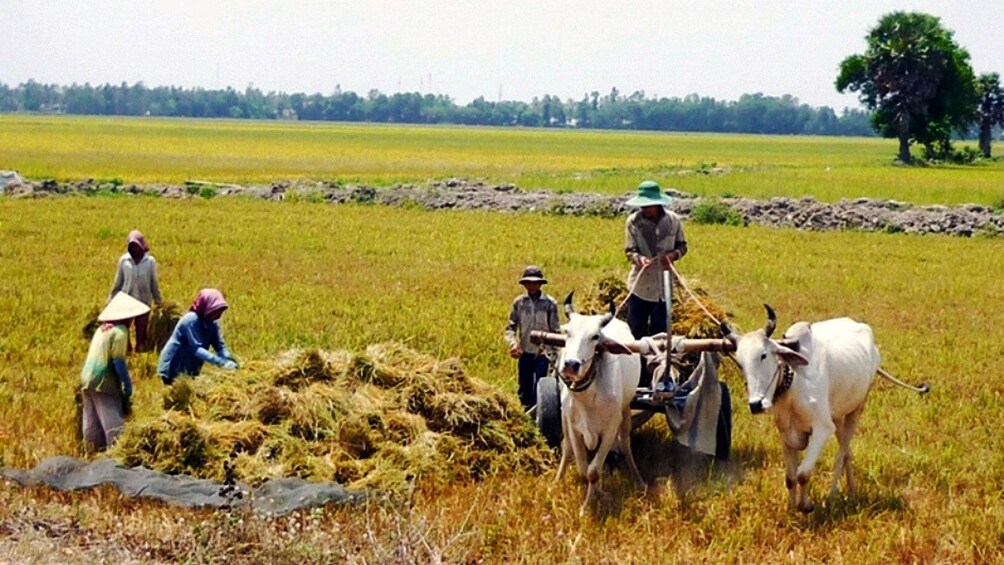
[
  {"x": 916, "y": 79},
  {"x": 991, "y": 110}
]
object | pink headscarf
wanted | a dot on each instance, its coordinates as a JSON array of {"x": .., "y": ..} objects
[
  {"x": 135, "y": 236},
  {"x": 208, "y": 300}
]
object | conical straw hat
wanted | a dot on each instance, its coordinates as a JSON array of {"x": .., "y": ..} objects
[{"x": 122, "y": 307}]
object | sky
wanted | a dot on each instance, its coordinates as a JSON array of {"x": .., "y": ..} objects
[{"x": 508, "y": 50}]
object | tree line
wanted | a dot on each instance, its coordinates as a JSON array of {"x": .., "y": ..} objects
[{"x": 751, "y": 113}]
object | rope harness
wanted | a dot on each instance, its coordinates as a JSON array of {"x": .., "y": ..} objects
[
  {"x": 590, "y": 377},
  {"x": 679, "y": 280},
  {"x": 786, "y": 373},
  {"x": 586, "y": 382}
]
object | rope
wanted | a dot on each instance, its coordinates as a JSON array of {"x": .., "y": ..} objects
[
  {"x": 693, "y": 296},
  {"x": 680, "y": 280},
  {"x": 630, "y": 291}
]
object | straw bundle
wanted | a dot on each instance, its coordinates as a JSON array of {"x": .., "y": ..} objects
[
  {"x": 163, "y": 318},
  {"x": 688, "y": 317},
  {"x": 384, "y": 418}
]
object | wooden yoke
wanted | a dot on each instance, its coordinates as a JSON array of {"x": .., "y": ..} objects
[{"x": 683, "y": 345}]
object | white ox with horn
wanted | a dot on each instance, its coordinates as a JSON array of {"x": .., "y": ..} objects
[
  {"x": 600, "y": 376},
  {"x": 815, "y": 381}
]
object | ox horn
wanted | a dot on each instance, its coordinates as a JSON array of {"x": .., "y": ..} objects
[
  {"x": 728, "y": 333},
  {"x": 771, "y": 320},
  {"x": 610, "y": 314},
  {"x": 569, "y": 309}
]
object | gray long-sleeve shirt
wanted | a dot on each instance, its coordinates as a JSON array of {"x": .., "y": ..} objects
[
  {"x": 652, "y": 239},
  {"x": 527, "y": 315},
  {"x": 138, "y": 280}
]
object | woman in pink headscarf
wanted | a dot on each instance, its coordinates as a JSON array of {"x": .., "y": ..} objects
[
  {"x": 137, "y": 277},
  {"x": 196, "y": 332}
]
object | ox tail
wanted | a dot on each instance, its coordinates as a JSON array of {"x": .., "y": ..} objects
[{"x": 923, "y": 388}]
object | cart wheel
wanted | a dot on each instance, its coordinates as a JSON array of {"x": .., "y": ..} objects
[
  {"x": 549, "y": 411},
  {"x": 723, "y": 435}
]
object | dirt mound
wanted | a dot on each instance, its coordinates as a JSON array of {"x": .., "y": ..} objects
[{"x": 385, "y": 418}]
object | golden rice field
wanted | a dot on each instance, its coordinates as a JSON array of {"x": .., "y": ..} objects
[
  {"x": 930, "y": 470},
  {"x": 142, "y": 150}
]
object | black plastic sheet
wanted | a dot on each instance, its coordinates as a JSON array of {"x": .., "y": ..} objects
[{"x": 275, "y": 497}]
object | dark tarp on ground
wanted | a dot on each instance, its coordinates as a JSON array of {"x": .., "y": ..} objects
[{"x": 275, "y": 497}]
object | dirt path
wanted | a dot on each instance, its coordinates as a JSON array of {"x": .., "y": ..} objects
[{"x": 457, "y": 194}]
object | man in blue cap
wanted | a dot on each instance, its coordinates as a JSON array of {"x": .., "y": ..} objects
[{"x": 653, "y": 241}]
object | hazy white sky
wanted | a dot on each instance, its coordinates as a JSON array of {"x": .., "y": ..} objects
[{"x": 516, "y": 49}]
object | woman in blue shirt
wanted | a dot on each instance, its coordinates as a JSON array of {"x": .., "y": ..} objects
[{"x": 196, "y": 332}]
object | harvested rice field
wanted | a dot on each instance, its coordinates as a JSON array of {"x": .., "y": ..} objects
[{"x": 344, "y": 316}]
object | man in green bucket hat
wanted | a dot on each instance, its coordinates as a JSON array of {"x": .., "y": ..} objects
[{"x": 653, "y": 241}]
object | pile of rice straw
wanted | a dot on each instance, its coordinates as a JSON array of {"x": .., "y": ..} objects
[
  {"x": 386, "y": 418},
  {"x": 688, "y": 317}
]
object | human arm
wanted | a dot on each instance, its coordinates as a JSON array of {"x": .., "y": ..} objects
[
  {"x": 679, "y": 245},
  {"x": 221, "y": 348},
  {"x": 510, "y": 332},
  {"x": 631, "y": 248},
  {"x": 117, "y": 356},
  {"x": 123, "y": 373},
  {"x": 119, "y": 280},
  {"x": 553, "y": 325},
  {"x": 155, "y": 284},
  {"x": 189, "y": 339}
]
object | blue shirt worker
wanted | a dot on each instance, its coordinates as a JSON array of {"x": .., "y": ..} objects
[
  {"x": 654, "y": 240},
  {"x": 195, "y": 333},
  {"x": 531, "y": 311}
]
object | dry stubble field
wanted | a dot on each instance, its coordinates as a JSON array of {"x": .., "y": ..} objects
[{"x": 930, "y": 469}]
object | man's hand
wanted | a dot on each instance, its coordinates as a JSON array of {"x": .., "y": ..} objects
[
  {"x": 229, "y": 365},
  {"x": 644, "y": 262},
  {"x": 515, "y": 351},
  {"x": 667, "y": 260}
]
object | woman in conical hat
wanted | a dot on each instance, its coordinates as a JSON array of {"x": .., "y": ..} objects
[
  {"x": 196, "y": 332},
  {"x": 137, "y": 276},
  {"x": 105, "y": 384}
]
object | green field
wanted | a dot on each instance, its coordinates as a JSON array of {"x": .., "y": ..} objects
[
  {"x": 930, "y": 469},
  {"x": 138, "y": 150}
]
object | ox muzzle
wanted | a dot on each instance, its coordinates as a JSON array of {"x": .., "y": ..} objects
[
  {"x": 570, "y": 368},
  {"x": 760, "y": 406}
]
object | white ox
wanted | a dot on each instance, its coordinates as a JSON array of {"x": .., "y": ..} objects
[
  {"x": 600, "y": 377},
  {"x": 828, "y": 367}
]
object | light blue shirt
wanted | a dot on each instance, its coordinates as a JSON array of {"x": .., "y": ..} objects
[{"x": 188, "y": 348}]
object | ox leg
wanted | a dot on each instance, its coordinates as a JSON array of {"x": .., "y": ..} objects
[
  {"x": 791, "y": 474},
  {"x": 595, "y": 471},
  {"x": 822, "y": 429},
  {"x": 838, "y": 465},
  {"x": 850, "y": 426},
  {"x": 579, "y": 451},
  {"x": 566, "y": 448},
  {"x": 625, "y": 443}
]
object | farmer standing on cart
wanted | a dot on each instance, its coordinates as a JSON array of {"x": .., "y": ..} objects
[
  {"x": 531, "y": 311},
  {"x": 653, "y": 241}
]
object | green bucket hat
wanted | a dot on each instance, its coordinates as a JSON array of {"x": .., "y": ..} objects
[{"x": 649, "y": 194}]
